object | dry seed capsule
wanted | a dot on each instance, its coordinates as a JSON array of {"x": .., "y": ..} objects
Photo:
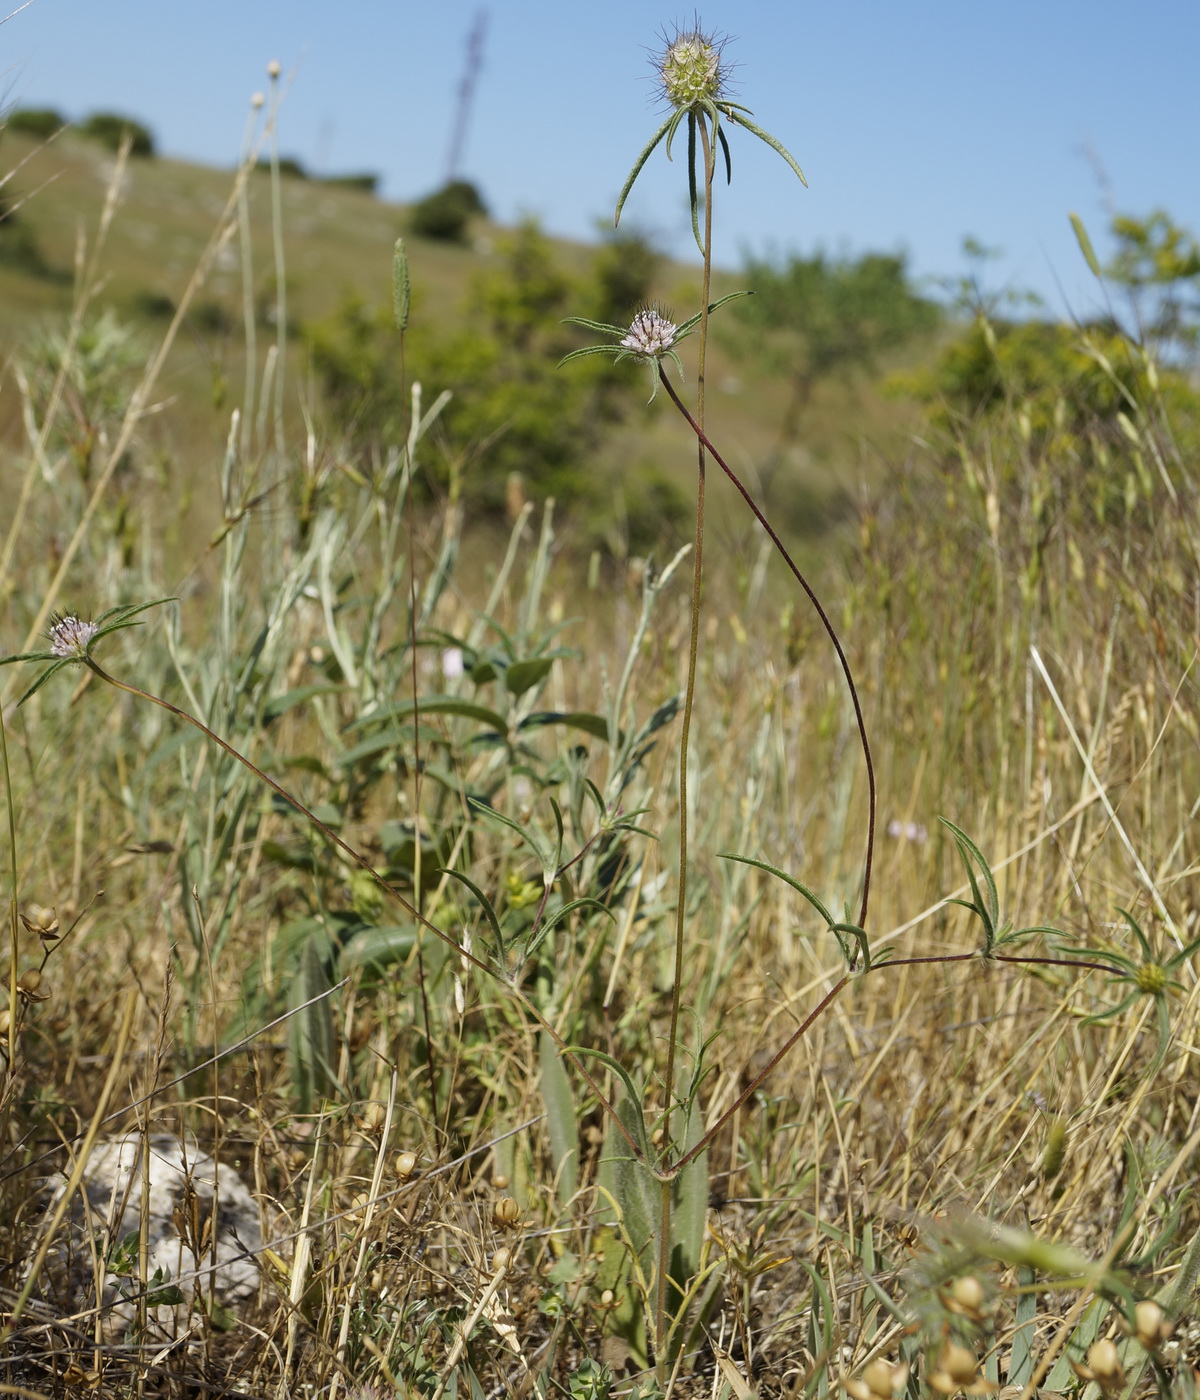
[
  {"x": 506, "y": 1213},
  {"x": 406, "y": 1164}
]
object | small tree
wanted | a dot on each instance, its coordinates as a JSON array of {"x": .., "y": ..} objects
[
  {"x": 42, "y": 122},
  {"x": 814, "y": 318},
  {"x": 110, "y": 129},
  {"x": 446, "y": 214},
  {"x": 1158, "y": 264},
  {"x": 512, "y": 410}
]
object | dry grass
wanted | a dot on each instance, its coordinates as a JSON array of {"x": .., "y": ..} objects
[{"x": 225, "y": 974}]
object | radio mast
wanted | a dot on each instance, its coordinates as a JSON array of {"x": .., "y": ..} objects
[{"x": 466, "y": 92}]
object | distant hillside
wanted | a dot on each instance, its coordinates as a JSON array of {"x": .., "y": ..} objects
[{"x": 338, "y": 245}]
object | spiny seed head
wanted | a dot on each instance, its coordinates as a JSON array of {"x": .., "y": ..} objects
[
  {"x": 650, "y": 334},
  {"x": 691, "y": 69},
  {"x": 70, "y": 637},
  {"x": 1151, "y": 979}
]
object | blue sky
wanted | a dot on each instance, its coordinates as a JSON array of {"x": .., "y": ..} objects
[{"x": 916, "y": 124}]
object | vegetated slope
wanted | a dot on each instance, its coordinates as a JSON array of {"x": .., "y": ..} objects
[{"x": 338, "y": 246}]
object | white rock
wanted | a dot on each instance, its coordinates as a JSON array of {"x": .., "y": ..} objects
[{"x": 181, "y": 1181}]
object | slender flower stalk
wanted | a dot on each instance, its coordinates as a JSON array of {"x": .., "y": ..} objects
[{"x": 693, "y": 79}]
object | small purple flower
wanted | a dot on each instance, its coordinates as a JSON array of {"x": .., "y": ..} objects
[
  {"x": 650, "y": 337},
  {"x": 650, "y": 334},
  {"x": 70, "y": 637}
]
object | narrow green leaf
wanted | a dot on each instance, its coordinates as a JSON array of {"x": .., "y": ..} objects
[
  {"x": 379, "y": 947},
  {"x": 1062, "y": 1378},
  {"x": 728, "y": 157},
  {"x": 584, "y": 901},
  {"x": 691, "y": 321},
  {"x": 561, "y": 1124},
  {"x": 691, "y": 1204},
  {"x": 1022, "y": 1358},
  {"x": 595, "y": 725},
  {"x": 970, "y": 852},
  {"x": 30, "y": 656},
  {"x": 280, "y": 704},
  {"x": 602, "y": 326},
  {"x": 41, "y": 681},
  {"x": 484, "y": 901},
  {"x": 740, "y": 119},
  {"x": 526, "y": 835},
  {"x": 310, "y": 1030},
  {"x": 787, "y": 880},
  {"x": 616, "y": 350},
  {"x": 634, "y": 1094},
  {"x": 127, "y": 610},
  {"x": 524, "y": 675},
  {"x": 435, "y": 705},
  {"x": 647, "y": 151}
]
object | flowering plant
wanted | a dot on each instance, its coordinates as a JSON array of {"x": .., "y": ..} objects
[
  {"x": 72, "y": 639},
  {"x": 650, "y": 337},
  {"x": 693, "y": 77}
]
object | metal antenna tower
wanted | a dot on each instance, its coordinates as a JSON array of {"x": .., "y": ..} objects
[{"x": 466, "y": 92}]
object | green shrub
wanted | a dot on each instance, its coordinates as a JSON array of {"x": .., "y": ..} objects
[
  {"x": 18, "y": 247},
  {"x": 367, "y": 181},
  {"x": 446, "y": 214},
  {"x": 156, "y": 306},
  {"x": 110, "y": 129},
  {"x": 512, "y": 409},
  {"x": 42, "y": 122},
  {"x": 290, "y": 166},
  {"x": 813, "y": 319}
]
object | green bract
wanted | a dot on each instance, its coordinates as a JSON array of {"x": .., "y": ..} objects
[
  {"x": 692, "y": 78},
  {"x": 1147, "y": 976}
]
